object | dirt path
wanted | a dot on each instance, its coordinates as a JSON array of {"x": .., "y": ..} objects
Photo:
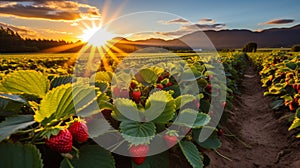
[{"x": 262, "y": 140}]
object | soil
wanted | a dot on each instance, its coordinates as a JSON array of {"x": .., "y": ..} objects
[{"x": 260, "y": 137}]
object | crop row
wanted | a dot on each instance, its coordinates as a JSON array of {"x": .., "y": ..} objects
[
  {"x": 137, "y": 112},
  {"x": 280, "y": 74}
]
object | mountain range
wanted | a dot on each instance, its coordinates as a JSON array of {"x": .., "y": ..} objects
[{"x": 226, "y": 39}]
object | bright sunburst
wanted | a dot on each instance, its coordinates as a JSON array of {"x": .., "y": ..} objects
[{"x": 96, "y": 35}]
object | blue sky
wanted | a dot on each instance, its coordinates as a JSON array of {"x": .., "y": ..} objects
[
  {"x": 67, "y": 19},
  {"x": 234, "y": 13}
]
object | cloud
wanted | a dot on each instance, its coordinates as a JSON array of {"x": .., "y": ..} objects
[
  {"x": 176, "y": 21},
  {"x": 26, "y": 32},
  {"x": 51, "y": 10},
  {"x": 280, "y": 21},
  {"x": 21, "y": 30},
  {"x": 192, "y": 28},
  {"x": 206, "y": 20}
]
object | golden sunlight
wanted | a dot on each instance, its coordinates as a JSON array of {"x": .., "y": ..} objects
[{"x": 96, "y": 35}]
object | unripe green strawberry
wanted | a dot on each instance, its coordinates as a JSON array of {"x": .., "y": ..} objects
[
  {"x": 62, "y": 142},
  {"x": 79, "y": 131},
  {"x": 139, "y": 153}
]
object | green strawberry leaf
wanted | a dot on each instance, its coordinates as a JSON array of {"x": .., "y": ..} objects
[
  {"x": 297, "y": 114},
  {"x": 96, "y": 106},
  {"x": 291, "y": 65},
  {"x": 60, "y": 80},
  {"x": 212, "y": 142},
  {"x": 160, "y": 107},
  {"x": 182, "y": 100},
  {"x": 202, "y": 83},
  {"x": 146, "y": 75},
  {"x": 103, "y": 86},
  {"x": 18, "y": 155},
  {"x": 91, "y": 156},
  {"x": 125, "y": 109},
  {"x": 277, "y": 104},
  {"x": 102, "y": 76},
  {"x": 10, "y": 104},
  {"x": 63, "y": 101},
  {"x": 12, "y": 124},
  {"x": 204, "y": 105},
  {"x": 201, "y": 120},
  {"x": 137, "y": 133},
  {"x": 192, "y": 119},
  {"x": 97, "y": 127},
  {"x": 25, "y": 82},
  {"x": 191, "y": 153}
]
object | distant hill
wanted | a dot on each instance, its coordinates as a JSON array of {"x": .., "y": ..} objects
[
  {"x": 276, "y": 37},
  {"x": 270, "y": 38},
  {"x": 11, "y": 41}
]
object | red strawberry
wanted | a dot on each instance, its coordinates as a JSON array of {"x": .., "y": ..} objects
[
  {"x": 106, "y": 113},
  {"x": 210, "y": 77},
  {"x": 170, "y": 140},
  {"x": 139, "y": 153},
  {"x": 297, "y": 86},
  {"x": 224, "y": 104},
  {"x": 79, "y": 131},
  {"x": 208, "y": 88},
  {"x": 136, "y": 95},
  {"x": 296, "y": 100},
  {"x": 169, "y": 84},
  {"x": 133, "y": 85},
  {"x": 167, "y": 74},
  {"x": 160, "y": 78},
  {"x": 220, "y": 132},
  {"x": 159, "y": 86},
  {"x": 291, "y": 106},
  {"x": 62, "y": 142}
]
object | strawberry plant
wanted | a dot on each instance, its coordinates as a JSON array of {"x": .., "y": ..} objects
[
  {"x": 280, "y": 75},
  {"x": 50, "y": 116},
  {"x": 47, "y": 113}
]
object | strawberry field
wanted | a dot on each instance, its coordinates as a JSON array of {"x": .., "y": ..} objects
[
  {"x": 58, "y": 112},
  {"x": 280, "y": 75}
]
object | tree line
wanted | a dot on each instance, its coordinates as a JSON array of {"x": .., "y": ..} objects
[{"x": 12, "y": 42}]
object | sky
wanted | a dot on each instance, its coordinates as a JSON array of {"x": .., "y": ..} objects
[{"x": 142, "y": 19}]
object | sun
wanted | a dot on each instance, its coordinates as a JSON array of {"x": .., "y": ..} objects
[{"x": 96, "y": 35}]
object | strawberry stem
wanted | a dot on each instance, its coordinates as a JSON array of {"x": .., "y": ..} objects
[
  {"x": 225, "y": 157},
  {"x": 76, "y": 150},
  {"x": 114, "y": 147},
  {"x": 69, "y": 163}
]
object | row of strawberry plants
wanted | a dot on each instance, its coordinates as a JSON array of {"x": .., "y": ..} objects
[
  {"x": 280, "y": 75},
  {"x": 63, "y": 113}
]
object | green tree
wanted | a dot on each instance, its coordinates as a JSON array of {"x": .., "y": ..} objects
[
  {"x": 295, "y": 48},
  {"x": 250, "y": 47}
]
